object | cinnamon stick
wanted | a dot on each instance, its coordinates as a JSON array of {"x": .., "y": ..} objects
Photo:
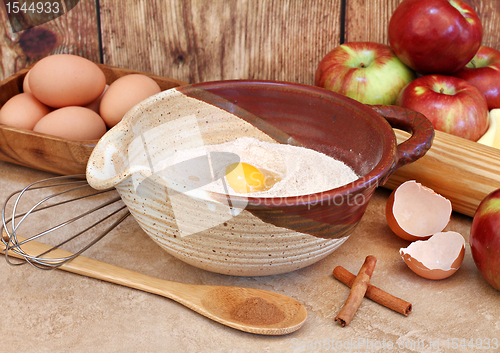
[
  {"x": 358, "y": 290},
  {"x": 374, "y": 293}
]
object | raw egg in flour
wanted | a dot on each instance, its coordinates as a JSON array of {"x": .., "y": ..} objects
[{"x": 245, "y": 178}]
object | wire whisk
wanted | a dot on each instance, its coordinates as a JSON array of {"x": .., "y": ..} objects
[{"x": 67, "y": 189}]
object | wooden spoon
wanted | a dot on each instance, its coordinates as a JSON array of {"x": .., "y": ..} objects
[{"x": 246, "y": 309}]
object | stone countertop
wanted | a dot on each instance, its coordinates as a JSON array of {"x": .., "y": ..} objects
[{"x": 56, "y": 311}]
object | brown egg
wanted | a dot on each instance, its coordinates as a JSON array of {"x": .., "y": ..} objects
[
  {"x": 415, "y": 212},
  {"x": 74, "y": 123},
  {"x": 23, "y": 111},
  {"x": 63, "y": 80},
  {"x": 436, "y": 258},
  {"x": 26, "y": 85},
  {"x": 123, "y": 94},
  {"x": 94, "y": 105}
]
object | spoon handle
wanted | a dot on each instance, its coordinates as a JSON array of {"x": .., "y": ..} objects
[
  {"x": 194, "y": 297},
  {"x": 110, "y": 273}
]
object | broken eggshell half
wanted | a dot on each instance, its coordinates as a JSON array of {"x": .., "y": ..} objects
[
  {"x": 415, "y": 212},
  {"x": 438, "y": 257}
]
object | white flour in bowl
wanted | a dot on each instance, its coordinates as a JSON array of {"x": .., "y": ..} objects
[{"x": 302, "y": 171}]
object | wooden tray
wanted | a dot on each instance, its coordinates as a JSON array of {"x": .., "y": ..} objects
[
  {"x": 463, "y": 171},
  {"x": 49, "y": 153}
]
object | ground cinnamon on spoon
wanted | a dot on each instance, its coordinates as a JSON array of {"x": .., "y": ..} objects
[{"x": 257, "y": 311}]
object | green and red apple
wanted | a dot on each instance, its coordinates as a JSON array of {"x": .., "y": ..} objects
[
  {"x": 368, "y": 72},
  {"x": 483, "y": 71},
  {"x": 452, "y": 105}
]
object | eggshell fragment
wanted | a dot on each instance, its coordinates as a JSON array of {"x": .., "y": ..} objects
[
  {"x": 63, "y": 80},
  {"x": 436, "y": 258},
  {"x": 74, "y": 123},
  {"x": 415, "y": 212},
  {"x": 23, "y": 111},
  {"x": 123, "y": 94}
]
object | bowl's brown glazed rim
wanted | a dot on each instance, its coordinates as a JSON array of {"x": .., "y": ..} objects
[{"x": 370, "y": 179}]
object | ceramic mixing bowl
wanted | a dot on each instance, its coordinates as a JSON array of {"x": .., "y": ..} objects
[{"x": 250, "y": 236}]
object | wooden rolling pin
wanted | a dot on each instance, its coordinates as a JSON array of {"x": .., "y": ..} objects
[{"x": 463, "y": 171}]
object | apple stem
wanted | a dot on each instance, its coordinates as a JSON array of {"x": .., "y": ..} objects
[
  {"x": 362, "y": 65},
  {"x": 473, "y": 63},
  {"x": 441, "y": 90}
]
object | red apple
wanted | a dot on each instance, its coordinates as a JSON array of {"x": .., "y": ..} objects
[
  {"x": 450, "y": 103},
  {"x": 435, "y": 36},
  {"x": 369, "y": 72},
  {"x": 483, "y": 71},
  {"x": 485, "y": 238}
]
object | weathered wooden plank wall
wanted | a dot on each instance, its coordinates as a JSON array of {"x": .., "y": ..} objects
[
  {"x": 76, "y": 32},
  {"x": 198, "y": 40}
]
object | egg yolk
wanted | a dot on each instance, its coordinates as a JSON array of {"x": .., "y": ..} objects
[{"x": 245, "y": 178}]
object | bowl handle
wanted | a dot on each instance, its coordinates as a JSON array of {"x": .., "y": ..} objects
[{"x": 420, "y": 128}]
